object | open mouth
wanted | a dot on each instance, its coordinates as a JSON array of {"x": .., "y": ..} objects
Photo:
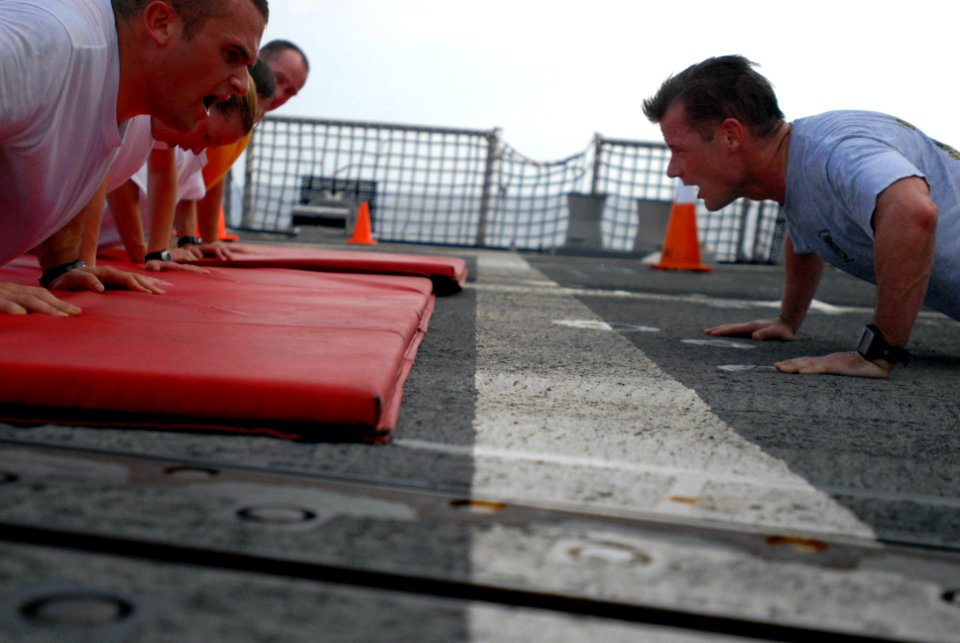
[{"x": 208, "y": 102}]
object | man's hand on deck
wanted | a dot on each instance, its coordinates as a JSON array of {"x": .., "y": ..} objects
[
  {"x": 848, "y": 363},
  {"x": 759, "y": 330}
]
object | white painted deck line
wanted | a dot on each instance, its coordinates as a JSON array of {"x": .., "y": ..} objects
[{"x": 583, "y": 418}]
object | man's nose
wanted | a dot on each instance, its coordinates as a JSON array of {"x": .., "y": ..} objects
[
  {"x": 238, "y": 83},
  {"x": 674, "y": 168}
]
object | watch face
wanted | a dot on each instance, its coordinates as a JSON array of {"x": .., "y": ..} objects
[{"x": 866, "y": 339}]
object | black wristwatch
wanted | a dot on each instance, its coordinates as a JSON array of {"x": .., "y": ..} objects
[
  {"x": 873, "y": 346},
  {"x": 189, "y": 241},
  {"x": 52, "y": 274},
  {"x": 160, "y": 255}
]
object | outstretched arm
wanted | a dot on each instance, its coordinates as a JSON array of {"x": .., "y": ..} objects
[
  {"x": 904, "y": 224},
  {"x": 125, "y": 210},
  {"x": 161, "y": 198},
  {"x": 162, "y": 205},
  {"x": 70, "y": 242},
  {"x": 803, "y": 274},
  {"x": 186, "y": 219},
  {"x": 93, "y": 216},
  {"x": 905, "y": 227},
  {"x": 208, "y": 220},
  {"x": 65, "y": 246}
]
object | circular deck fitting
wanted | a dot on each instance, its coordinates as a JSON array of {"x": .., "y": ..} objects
[
  {"x": 76, "y": 609},
  {"x": 478, "y": 506},
  {"x": 277, "y": 514},
  {"x": 801, "y": 545},
  {"x": 190, "y": 473},
  {"x": 609, "y": 553}
]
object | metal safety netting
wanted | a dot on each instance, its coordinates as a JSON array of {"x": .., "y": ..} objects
[{"x": 468, "y": 187}]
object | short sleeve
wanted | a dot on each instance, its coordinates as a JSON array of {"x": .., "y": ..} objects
[{"x": 859, "y": 169}]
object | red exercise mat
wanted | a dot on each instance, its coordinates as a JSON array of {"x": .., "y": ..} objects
[
  {"x": 287, "y": 353},
  {"x": 447, "y": 273}
]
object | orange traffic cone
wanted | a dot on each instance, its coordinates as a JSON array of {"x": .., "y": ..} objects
[
  {"x": 681, "y": 250},
  {"x": 361, "y": 229},
  {"x": 222, "y": 229}
]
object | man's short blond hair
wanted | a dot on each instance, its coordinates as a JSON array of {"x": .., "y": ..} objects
[{"x": 195, "y": 13}]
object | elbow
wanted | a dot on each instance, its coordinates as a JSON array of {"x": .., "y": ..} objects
[
  {"x": 925, "y": 218},
  {"x": 919, "y": 225},
  {"x": 906, "y": 208}
]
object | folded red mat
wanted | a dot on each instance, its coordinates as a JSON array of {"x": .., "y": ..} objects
[
  {"x": 447, "y": 273},
  {"x": 288, "y": 353}
]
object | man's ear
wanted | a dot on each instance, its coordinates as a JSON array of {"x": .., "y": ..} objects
[
  {"x": 731, "y": 133},
  {"x": 161, "y": 21}
]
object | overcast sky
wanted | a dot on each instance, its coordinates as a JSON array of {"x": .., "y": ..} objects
[{"x": 551, "y": 74}]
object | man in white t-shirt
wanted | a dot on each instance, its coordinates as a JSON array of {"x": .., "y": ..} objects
[
  {"x": 866, "y": 192},
  {"x": 72, "y": 73}
]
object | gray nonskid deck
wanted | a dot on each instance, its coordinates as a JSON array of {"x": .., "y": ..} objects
[{"x": 569, "y": 458}]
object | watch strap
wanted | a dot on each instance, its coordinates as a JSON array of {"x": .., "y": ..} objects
[
  {"x": 189, "y": 241},
  {"x": 52, "y": 274},
  {"x": 879, "y": 348},
  {"x": 159, "y": 255}
]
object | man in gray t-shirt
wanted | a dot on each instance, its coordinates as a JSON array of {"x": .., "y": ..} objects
[
  {"x": 866, "y": 192},
  {"x": 839, "y": 165}
]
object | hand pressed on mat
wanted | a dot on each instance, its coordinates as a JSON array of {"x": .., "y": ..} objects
[
  {"x": 100, "y": 278},
  {"x": 16, "y": 299}
]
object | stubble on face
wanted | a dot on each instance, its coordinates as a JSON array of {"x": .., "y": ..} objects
[
  {"x": 290, "y": 74},
  {"x": 225, "y": 44},
  {"x": 698, "y": 160}
]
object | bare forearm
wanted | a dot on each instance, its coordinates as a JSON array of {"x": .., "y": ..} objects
[
  {"x": 161, "y": 198},
  {"x": 93, "y": 216},
  {"x": 125, "y": 210},
  {"x": 904, "y": 241},
  {"x": 186, "y": 219},
  {"x": 161, "y": 227},
  {"x": 67, "y": 244},
  {"x": 803, "y": 273},
  {"x": 208, "y": 212},
  {"x": 63, "y": 246}
]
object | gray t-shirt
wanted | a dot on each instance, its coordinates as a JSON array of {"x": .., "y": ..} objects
[{"x": 839, "y": 164}]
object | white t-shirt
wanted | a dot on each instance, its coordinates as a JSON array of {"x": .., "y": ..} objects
[
  {"x": 133, "y": 153},
  {"x": 189, "y": 174},
  {"x": 190, "y": 186},
  {"x": 59, "y": 78},
  {"x": 839, "y": 163}
]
